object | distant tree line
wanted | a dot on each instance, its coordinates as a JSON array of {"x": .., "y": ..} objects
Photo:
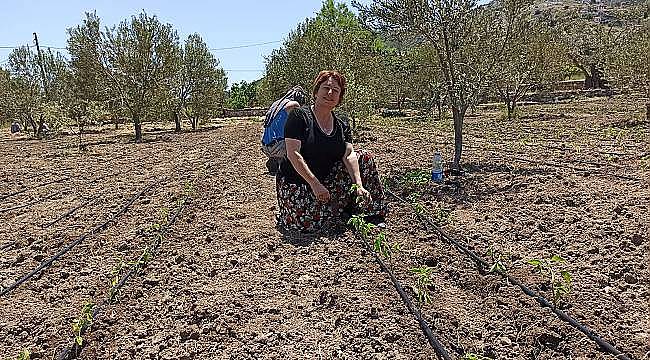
[
  {"x": 453, "y": 54},
  {"x": 138, "y": 70},
  {"x": 440, "y": 55}
]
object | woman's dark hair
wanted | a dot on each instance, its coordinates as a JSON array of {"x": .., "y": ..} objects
[{"x": 326, "y": 74}]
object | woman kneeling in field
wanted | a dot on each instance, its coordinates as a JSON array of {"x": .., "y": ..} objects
[{"x": 314, "y": 186}]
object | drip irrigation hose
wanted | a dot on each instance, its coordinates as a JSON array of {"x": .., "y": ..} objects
[
  {"x": 73, "y": 351},
  {"x": 576, "y": 168},
  {"x": 93, "y": 231},
  {"x": 4, "y": 196},
  {"x": 540, "y": 299},
  {"x": 30, "y": 203},
  {"x": 556, "y": 165},
  {"x": 69, "y": 212},
  {"x": 153, "y": 247},
  {"x": 433, "y": 341}
]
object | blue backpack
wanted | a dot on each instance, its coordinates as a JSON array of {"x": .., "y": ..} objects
[{"x": 276, "y": 117}]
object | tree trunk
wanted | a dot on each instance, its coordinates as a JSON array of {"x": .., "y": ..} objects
[
  {"x": 594, "y": 79},
  {"x": 195, "y": 122},
  {"x": 439, "y": 106},
  {"x": 177, "y": 120},
  {"x": 138, "y": 129},
  {"x": 459, "y": 115},
  {"x": 30, "y": 118},
  {"x": 399, "y": 101},
  {"x": 39, "y": 131},
  {"x": 511, "y": 105},
  {"x": 81, "y": 131},
  {"x": 116, "y": 120},
  {"x": 647, "y": 111}
]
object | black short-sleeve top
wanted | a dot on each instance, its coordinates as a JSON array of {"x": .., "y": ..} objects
[{"x": 320, "y": 151}]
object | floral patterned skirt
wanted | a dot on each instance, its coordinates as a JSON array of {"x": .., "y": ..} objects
[{"x": 299, "y": 210}]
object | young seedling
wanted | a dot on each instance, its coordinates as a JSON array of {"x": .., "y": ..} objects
[
  {"x": 189, "y": 188},
  {"x": 560, "y": 280},
  {"x": 441, "y": 215},
  {"x": 380, "y": 242},
  {"x": 24, "y": 355},
  {"x": 419, "y": 208},
  {"x": 472, "y": 356},
  {"x": 497, "y": 261},
  {"x": 83, "y": 322},
  {"x": 422, "y": 283}
]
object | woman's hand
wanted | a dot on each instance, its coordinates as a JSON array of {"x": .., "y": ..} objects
[
  {"x": 320, "y": 192},
  {"x": 363, "y": 195}
]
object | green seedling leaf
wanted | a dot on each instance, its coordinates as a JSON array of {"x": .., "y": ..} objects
[
  {"x": 566, "y": 276},
  {"x": 557, "y": 258},
  {"x": 535, "y": 262},
  {"x": 24, "y": 355}
]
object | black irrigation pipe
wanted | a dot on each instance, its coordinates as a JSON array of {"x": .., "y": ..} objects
[
  {"x": 547, "y": 163},
  {"x": 73, "y": 351},
  {"x": 153, "y": 247},
  {"x": 433, "y": 341},
  {"x": 69, "y": 212},
  {"x": 556, "y": 165},
  {"x": 4, "y": 196},
  {"x": 30, "y": 203},
  {"x": 540, "y": 299},
  {"x": 93, "y": 231},
  {"x": 599, "y": 164}
]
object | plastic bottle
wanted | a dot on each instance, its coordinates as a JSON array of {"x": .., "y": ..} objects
[{"x": 437, "y": 172}]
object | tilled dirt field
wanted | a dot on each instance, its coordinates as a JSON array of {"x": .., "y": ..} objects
[{"x": 566, "y": 179}]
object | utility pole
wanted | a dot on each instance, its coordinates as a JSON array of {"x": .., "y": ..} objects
[{"x": 40, "y": 64}]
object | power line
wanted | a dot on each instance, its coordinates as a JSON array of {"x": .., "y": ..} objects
[
  {"x": 245, "y": 46},
  {"x": 54, "y": 47},
  {"x": 213, "y": 49}
]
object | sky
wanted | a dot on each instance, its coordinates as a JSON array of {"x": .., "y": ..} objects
[{"x": 241, "y": 32}]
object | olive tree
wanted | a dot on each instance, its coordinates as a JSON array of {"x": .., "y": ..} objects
[
  {"x": 530, "y": 57},
  {"x": 628, "y": 64},
  {"x": 89, "y": 92},
  {"x": 198, "y": 84},
  {"x": 333, "y": 40},
  {"x": 138, "y": 59},
  {"x": 589, "y": 33},
  {"x": 25, "y": 96},
  {"x": 452, "y": 29}
]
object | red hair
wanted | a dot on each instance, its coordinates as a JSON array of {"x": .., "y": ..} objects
[{"x": 326, "y": 74}]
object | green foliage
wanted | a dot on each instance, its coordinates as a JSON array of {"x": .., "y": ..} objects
[
  {"x": 199, "y": 82},
  {"x": 242, "y": 94},
  {"x": 413, "y": 182},
  {"x": 472, "y": 356},
  {"x": 380, "y": 242},
  {"x": 530, "y": 56},
  {"x": 422, "y": 283},
  {"x": 33, "y": 96},
  {"x": 498, "y": 265},
  {"x": 559, "y": 279},
  {"x": 84, "y": 320},
  {"x": 441, "y": 215},
  {"x": 140, "y": 58},
  {"x": 334, "y": 39},
  {"x": 628, "y": 67},
  {"x": 23, "y": 355}
]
